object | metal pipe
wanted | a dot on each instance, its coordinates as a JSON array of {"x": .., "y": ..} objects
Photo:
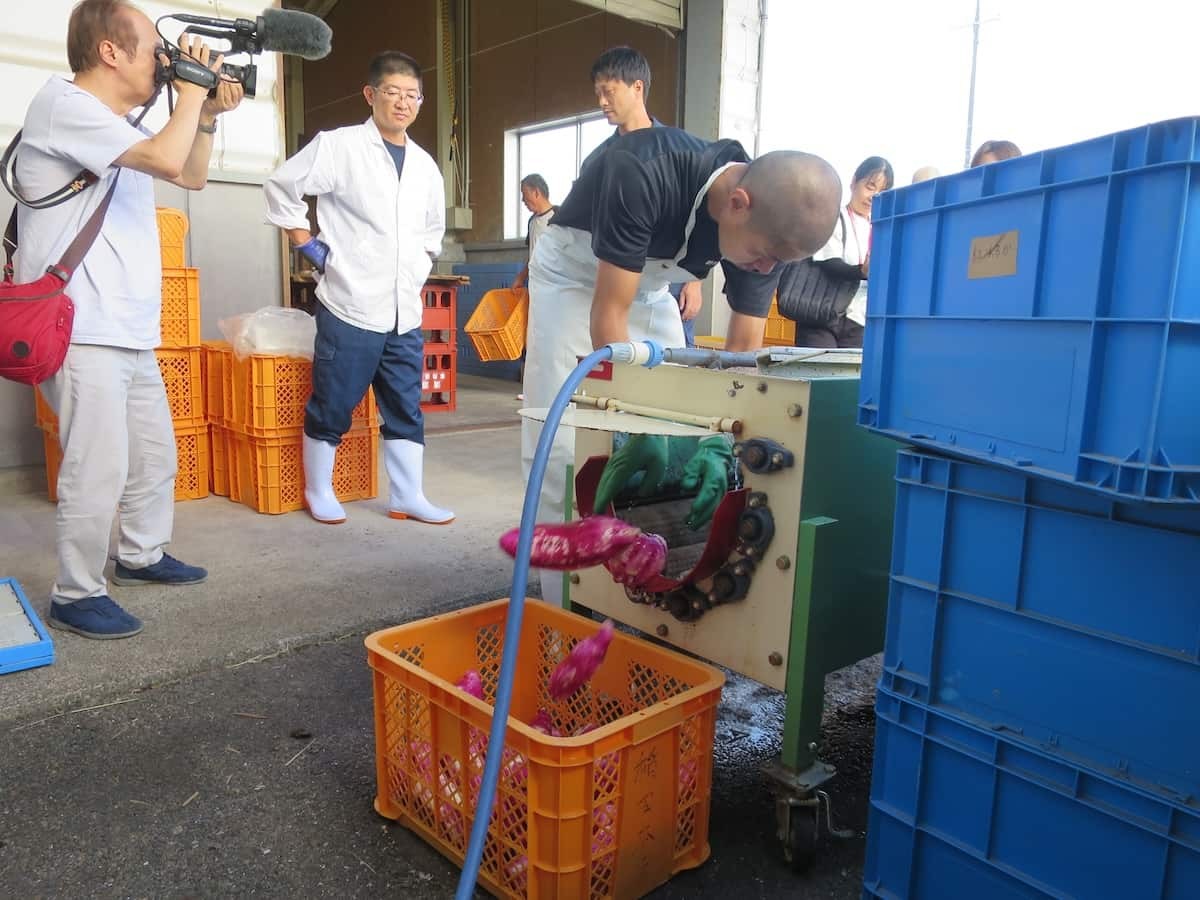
[
  {"x": 971, "y": 99},
  {"x": 758, "y": 91},
  {"x": 711, "y": 359},
  {"x": 712, "y": 423}
]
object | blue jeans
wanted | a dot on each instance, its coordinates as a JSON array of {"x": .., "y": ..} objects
[
  {"x": 689, "y": 332},
  {"x": 346, "y": 361}
]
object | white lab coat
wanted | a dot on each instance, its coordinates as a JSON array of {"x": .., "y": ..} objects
[
  {"x": 562, "y": 282},
  {"x": 380, "y": 230}
]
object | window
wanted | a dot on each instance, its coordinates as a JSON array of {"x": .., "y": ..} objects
[{"x": 553, "y": 150}]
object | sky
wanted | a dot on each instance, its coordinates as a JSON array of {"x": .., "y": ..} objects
[{"x": 848, "y": 79}]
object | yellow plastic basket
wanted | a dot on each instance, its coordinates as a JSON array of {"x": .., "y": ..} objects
[{"x": 497, "y": 327}]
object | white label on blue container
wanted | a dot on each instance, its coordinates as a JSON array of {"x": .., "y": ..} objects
[{"x": 994, "y": 255}]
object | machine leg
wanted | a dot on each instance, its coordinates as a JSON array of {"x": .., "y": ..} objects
[{"x": 799, "y": 775}]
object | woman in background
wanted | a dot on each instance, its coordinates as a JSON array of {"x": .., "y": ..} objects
[
  {"x": 994, "y": 151},
  {"x": 827, "y": 295}
]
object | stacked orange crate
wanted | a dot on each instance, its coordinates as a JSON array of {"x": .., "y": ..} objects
[
  {"x": 213, "y": 363},
  {"x": 179, "y": 360},
  {"x": 440, "y": 372},
  {"x": 261, "y": 416}
]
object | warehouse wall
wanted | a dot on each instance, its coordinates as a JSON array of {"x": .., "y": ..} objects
[{"x": 361, "y": 28}]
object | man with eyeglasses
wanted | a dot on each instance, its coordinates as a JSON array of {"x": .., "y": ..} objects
[{"x": 380, "y": 211}]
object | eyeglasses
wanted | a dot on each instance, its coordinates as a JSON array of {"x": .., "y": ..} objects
[{"x": 395, "y": 95}]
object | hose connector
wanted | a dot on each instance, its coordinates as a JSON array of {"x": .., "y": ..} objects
[{"x": 637, "y": 353}]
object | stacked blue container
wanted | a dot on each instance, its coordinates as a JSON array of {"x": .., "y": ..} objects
[{"x": 1034, "y": 328}]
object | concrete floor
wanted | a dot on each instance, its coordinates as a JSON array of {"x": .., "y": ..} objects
[{"x": 230, "y": 678}]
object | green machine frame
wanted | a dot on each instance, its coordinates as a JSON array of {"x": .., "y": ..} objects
[{"x": 830, "y": 556}]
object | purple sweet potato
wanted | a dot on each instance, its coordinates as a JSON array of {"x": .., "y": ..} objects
[
  {"x": 640, "y": 561},
  {"x": 574, "y": 545}
]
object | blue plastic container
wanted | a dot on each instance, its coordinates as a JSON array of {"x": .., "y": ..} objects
[
  {"x": 484, "y": 277},
  {"x": 960, "y": 813},
  {"x": 1068, "y": 620},
  {"x": 24, "y": 643},
  {"x": 1044, "y": 313}
]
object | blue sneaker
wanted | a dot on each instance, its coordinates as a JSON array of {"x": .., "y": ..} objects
[
  {"x": 94, "y": 617},
  {"x": 167, "y": 570}
]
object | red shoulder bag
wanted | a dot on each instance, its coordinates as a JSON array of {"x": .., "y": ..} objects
[{"x": 36, "y": 317}]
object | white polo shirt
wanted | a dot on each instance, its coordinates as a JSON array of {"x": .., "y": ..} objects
[{"x": 117, "y": 289}]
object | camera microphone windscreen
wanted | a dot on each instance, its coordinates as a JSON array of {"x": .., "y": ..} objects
[{"x": 295, "y": 33}]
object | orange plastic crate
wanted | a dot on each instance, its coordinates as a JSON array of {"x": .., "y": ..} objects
[
  {"x": 497, "y": 327},
  {"x": 180, "y": 307},
  {"x": 780, "y": 331},
  {"x": 215, "y": 354},
  {"x": 440, "y": 302},
  {"x": 614, "y": 812},
  {"x": 43, "y": 415},
  {"x": 265, "y": 395},
  {"x": 185, "y": 387},
  {"x": 195, "y": 467},
  {"x": 172, "y": 236},
  {"x": 54, "y": 457},
  {"x": 267, "y": 473},
  {"x": 219, "y": 450},
  {"x": 182, "y": 377},
  {"x": 438, "y": 380},
  {"x": 192, "y": 455}
]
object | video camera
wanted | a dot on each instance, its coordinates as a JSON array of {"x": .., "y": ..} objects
[{"x": 275, "y": 31}]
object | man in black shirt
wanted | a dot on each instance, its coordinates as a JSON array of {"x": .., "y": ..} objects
[
  {"x": 661, "y": 199},
  {"x": 661, "y": 206}
]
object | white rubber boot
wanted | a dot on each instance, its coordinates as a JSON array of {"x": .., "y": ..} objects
[
  {"x": 322, "y": 503},
  {"x": 405, "y": 463}
]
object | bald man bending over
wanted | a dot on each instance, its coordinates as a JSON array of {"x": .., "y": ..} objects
[{"x": 661, "y": 206}]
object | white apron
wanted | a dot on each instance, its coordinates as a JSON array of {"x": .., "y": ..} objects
[{"x": 562, "y": 282}]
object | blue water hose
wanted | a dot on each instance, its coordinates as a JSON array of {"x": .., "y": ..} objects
[{"x": 645, "y": 353}]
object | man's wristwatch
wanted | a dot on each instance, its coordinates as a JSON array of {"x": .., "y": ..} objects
[{"x": 211, "y": 129}]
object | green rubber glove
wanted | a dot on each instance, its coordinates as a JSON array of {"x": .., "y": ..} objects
[
  {"x": 644, "y": 456},
  {"x": 707, "y": 473}
]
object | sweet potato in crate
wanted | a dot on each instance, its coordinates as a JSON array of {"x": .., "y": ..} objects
[{"x": 612, "y": 812}]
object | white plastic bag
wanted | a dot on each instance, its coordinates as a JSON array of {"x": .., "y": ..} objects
[{"x": 273, "y": 330}]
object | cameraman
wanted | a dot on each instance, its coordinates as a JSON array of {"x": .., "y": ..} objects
[{"x": 114, "y": 422}]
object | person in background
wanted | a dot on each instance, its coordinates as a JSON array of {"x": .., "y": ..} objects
[
  {"x": 827, "y": 295},
  {"x": 925, "y": 173},
  {"x": 690, "y": 298},
  {"x": 380, "y": 207},
  {"x": 994, "y": 151},
  {"x": 621, "y": 78},
  {"x": 535, "y": 194},
  {"x": 118, "y": 443}
]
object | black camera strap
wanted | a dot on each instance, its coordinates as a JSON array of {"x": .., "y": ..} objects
[{"x": 81, "y": 182}]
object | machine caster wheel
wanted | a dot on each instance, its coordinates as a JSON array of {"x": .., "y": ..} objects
[{"x": 799, "y": 828}]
